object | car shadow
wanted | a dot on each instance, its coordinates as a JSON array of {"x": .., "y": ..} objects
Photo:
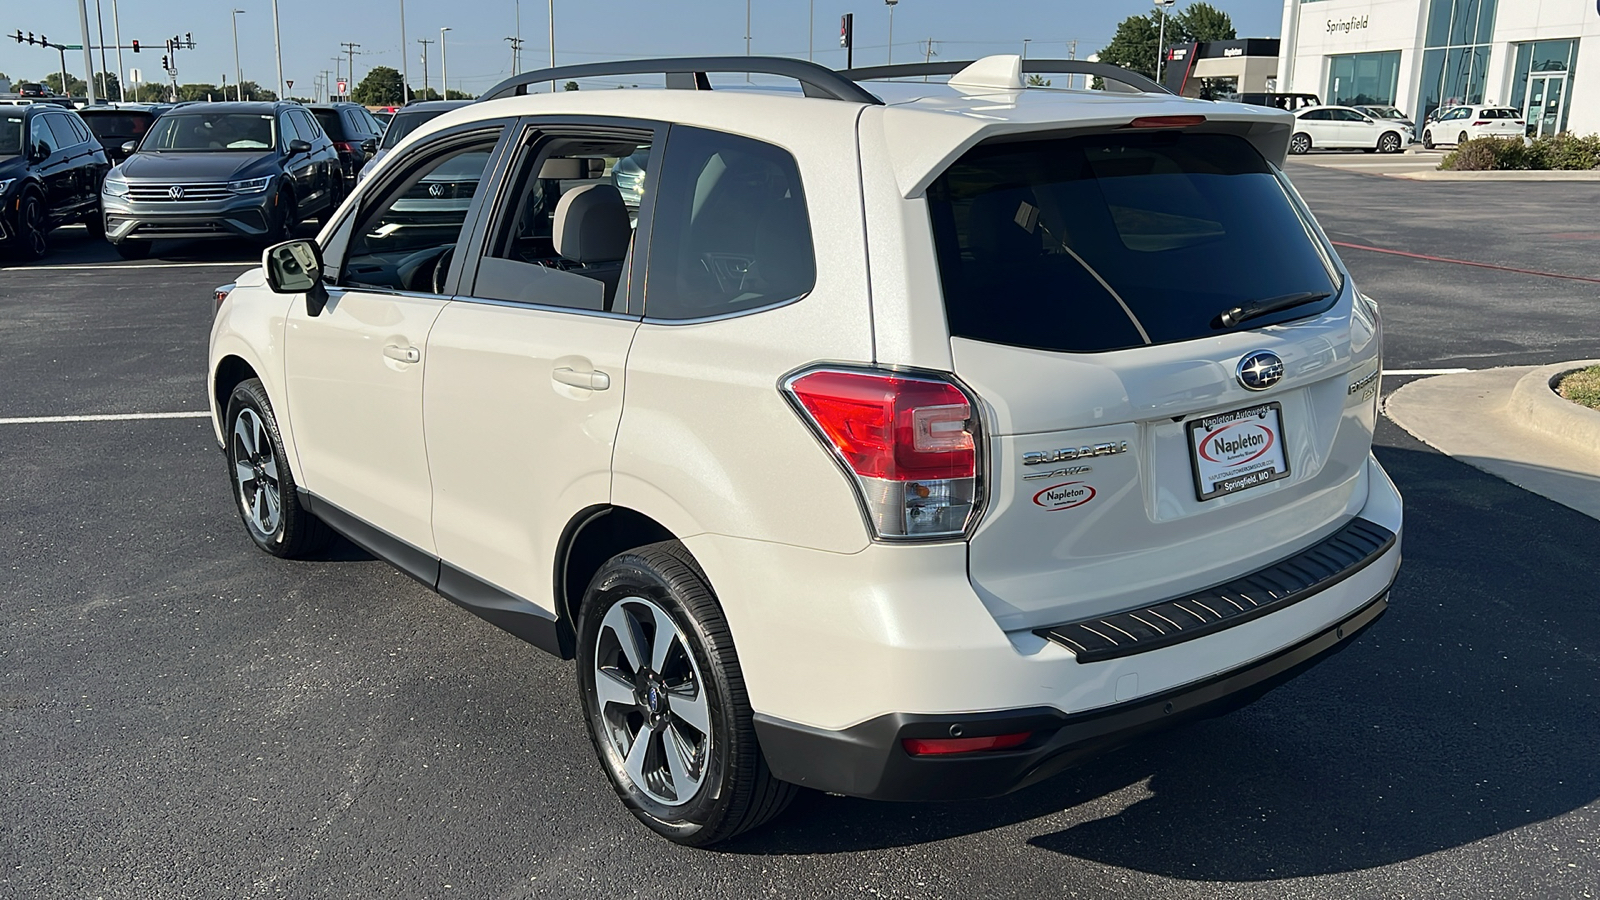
[{"x": 1468, "y": 711}]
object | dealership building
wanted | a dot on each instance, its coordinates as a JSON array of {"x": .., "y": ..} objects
[{"x": 1540, "y": 56}]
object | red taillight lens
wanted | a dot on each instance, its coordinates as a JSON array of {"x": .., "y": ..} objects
[
  {"x": 1481, "y": 122},
  {"x": 908, "y": 442},
  {"x": 1167, "y": 121},
  {"x": 941, "y": 746},
  {"x": 346, "y": 147}
]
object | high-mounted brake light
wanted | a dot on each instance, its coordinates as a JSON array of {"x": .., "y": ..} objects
[
  {"x": 1166, "y": 122},
  {"x": 942, "y": 746},
  {"x": 909, "y": 443}
]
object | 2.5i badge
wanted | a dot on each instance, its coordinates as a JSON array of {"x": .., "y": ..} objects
[{"x": 1237, "y": 450}]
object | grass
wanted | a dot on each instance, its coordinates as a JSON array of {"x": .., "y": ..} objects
[{"x": 1583, "y": 386}]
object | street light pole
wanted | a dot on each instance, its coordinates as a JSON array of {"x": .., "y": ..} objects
[
  {"x": 747, "y": 34},
  {"x": 1161, "y": 42},
  {"x": 405, "y": 68},
  {"x": 552, "y": 41},
  {"x": 277, "y": 48},
  {"x": 891, "y": 4},
  {"x": 444, "y": 66},
  {"x": 88, "y": 56},
  {"x": 116, "y": 35},
  {"x": 238, "y": 74}
]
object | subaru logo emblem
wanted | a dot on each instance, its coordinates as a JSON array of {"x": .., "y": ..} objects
[
  {"x": 1260, "y": 370},
  {"x": 175, "y": 192}
]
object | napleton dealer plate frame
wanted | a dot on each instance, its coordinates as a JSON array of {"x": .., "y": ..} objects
[{"x": 1266, "y": 419}]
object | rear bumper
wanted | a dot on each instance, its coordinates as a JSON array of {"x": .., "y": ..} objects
[{"x": 869, "y": 760}]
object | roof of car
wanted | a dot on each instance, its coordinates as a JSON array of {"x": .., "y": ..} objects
[
  {"x": 433, "y": 105},
  {"x": 237, "y": 106},
  {"x": 337, "y": 104}
]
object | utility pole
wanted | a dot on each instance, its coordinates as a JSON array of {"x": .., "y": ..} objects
[
  {"x": 88, "y": 55},
  {"x": 100, "y": 28},
  {"x": 891, "y": 5},
  {"x": 116, "y": 35},
  {"x": 1072, "y": 53},
  {"x": 929, "y": 54},
  {"x": 277, "y": 48},
  {"x": 516, "y": 54},
  {"x": 238, "y": 74},
  {"x": 552, "y": 41},
  {"x": 444, "y": 66},
  {"x": 405, "y": 67},
  {"x": 350, "y": 50},
  {"x": 337, "y": 62},
  {"x": 1025, "y": 42},
  {"x": 424, "y": 42}
]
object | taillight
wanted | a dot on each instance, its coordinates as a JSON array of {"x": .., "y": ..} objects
[
  {"x": 942, "y": 746},
  {"x": 346, "y": 147},
  {"x": 1480, "y": 122},
  {"x": 221, "y": 293},
  {"x": 909, "y": 443}
]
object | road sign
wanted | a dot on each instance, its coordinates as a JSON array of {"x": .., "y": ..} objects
[
  {"x": 342, "y": 85},
  {"x": 135, "y": 76},
  {"x": 289, "y": 83}
]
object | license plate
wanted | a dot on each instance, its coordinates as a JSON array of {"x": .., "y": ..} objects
[{"x": 1237, "y": 450}]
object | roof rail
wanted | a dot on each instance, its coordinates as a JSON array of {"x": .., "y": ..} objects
[
  {"x": 1133, "y": 81},
  {"x": 689, "y": 73}
]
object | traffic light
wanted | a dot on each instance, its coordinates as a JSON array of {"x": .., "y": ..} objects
[
  {"x": 164, "y": 64},
  {"x": 846, "y": 30},
  {"x": 19, "y": 35},
  {"x": 136, "y": 46}
]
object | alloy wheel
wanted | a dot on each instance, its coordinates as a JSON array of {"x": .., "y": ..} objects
[
  {"x": 1389, "y": 143},
  {"x": 255, "y": 471},
  {"x": 32, "y": 227},
  {"x": 651, "y": 699},
  {"x": 1299, "y": 144}
]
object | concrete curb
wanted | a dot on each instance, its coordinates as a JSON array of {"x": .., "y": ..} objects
[
  {"x": 1505, "y": 175},
  {"x": 1535, "y": 404}
]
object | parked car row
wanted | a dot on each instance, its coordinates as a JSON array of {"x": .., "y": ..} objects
[{"x": 1350, "y": 128}]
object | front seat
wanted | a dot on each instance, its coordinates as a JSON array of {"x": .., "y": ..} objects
[{"x": 591, "y": 228}]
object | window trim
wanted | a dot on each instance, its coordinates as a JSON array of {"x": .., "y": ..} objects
[{"x": 529, "y": 132}]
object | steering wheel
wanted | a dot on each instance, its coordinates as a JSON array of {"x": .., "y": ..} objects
[{"x": 441, "y": 269}]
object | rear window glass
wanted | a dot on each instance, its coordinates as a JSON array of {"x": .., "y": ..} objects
[
  {"x": 329, "y": 120},
  {"x": 119, "y": 125},
  {"x": 406, "y": 122},
  {"x": 1112, "y": 241}
]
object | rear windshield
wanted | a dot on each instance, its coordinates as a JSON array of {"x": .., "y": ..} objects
[
  {"x": 404, "y": 123},
  {"x": 1112, "y": 241},
  {"x": 118, "y": 125},
  {"x": 329, "y": 120}
]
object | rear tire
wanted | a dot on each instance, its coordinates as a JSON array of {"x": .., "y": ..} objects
[
  {"x": 1427, "y": 140},
  {"x": 671, "y": 720},
  {"x": 263, "y": 487},
  {"x": 31, "y": 227},
  {"x": 1300, "y": 144}
]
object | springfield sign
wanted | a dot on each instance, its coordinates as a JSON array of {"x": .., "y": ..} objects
[{"x": 1354, "y": 23}]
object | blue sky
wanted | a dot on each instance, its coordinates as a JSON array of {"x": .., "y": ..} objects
[{"x": 585, "y": 32}]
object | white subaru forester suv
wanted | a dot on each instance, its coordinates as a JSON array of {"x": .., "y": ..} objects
[{"x": 913, "y": 443}]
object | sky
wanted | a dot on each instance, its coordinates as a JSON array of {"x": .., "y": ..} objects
[{"x": 479, "y": 57}]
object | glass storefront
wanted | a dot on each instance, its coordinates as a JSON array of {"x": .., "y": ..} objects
[
  {"x": 1541, "y": 84},
  {"x": 1363, "y": 79},
  {"x": 1456, "y": 61}
]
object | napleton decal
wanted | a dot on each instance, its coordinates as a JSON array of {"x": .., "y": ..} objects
[{"x": 1064, "y": 496}]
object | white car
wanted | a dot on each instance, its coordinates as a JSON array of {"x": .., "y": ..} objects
[
  {"x": 1459, "y": 124},
  {"x": 915, "y": 443},
  {"x": 1344, "y": 128}
]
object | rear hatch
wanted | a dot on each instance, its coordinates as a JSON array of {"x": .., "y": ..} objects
[{"x": 1154, "y": 426}]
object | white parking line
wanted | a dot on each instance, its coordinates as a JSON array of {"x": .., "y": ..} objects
[
  {"x": 182, "y": 265},
  {"x": 1425, "y": 371},
  {"x": 107, "y": 417}
]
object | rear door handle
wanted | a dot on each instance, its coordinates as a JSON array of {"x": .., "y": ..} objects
[
  {"x": 402, "y": 354},
  {"x": 589, "y": 381}
]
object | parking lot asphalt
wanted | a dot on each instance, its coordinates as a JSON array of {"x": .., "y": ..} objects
[{"x": 182, "y": 716}]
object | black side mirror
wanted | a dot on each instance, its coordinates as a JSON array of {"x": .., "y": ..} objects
[
  {"x": 128, "y": 147},
  {"x": 38, "y": 153},
  {"x": 299, "y": 146},
  {"x": 369, "y": 147},
  {"x": 295, "y": 267}
]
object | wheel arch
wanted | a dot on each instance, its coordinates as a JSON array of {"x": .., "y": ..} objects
[{"x": 591, "y": 537}]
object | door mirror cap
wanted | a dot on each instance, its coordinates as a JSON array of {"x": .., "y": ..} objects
[
  {"x": 369, "y": 147},
  {"x": 295, "y": 267},
  {"x": 129, "y": 146},
  {"x": 299, "y": 146}
]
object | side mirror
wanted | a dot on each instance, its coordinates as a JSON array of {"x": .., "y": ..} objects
[
  {"x": 295, "y": 267},
  {"x": 129, "y": 146},
  {"x": 299, "y": 146},
  {"x": 369, "y": 148}
]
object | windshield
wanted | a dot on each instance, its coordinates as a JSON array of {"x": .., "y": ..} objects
[
  {"x": 10, "y": 135},
  {"x": 404, "y": 123},
  {"x": 1382, "y": 112},
  {"x": 118, "y": 125},
  {"x": 191, "y": 132},
  {"x": 1112, "y": 241}
]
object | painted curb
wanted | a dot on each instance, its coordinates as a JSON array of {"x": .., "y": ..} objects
[
  {"x": 1500, "y": 175},
  {"x": 1535, "y": 405}
]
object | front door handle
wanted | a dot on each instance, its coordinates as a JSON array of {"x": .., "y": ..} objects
[
  {"x": 402, "y": 354},
  {"x": 589, "y": 381}
]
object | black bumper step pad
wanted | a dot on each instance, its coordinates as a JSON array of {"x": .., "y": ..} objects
[{"x": 1316, "y": 568}]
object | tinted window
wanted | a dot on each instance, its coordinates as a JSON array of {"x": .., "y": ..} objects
[
  {"x": 1105, "y": 242},
  {"x": 290, "y": 129},
  {"x": 10, "y": 135},
  {"x": 44, "y": 143},
  {"x": 61, "y": 127},
  {"x": 127, "y": 126},
  {"x": 201, "y": 131},
  {"x": 407, "y": 228},
  {"x": 329, "y": 120},
  {"x": 731, "y": 231},
  {"x": 309, "y": 129},
  {"x": 404, "y": 123}
]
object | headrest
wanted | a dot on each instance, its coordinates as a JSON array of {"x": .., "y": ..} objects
[{"x": 591, "y": 224}]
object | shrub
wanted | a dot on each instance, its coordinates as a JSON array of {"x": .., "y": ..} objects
[
  {"x": 1561, "y": 151},
  {"x": 1568, "y": 151}
]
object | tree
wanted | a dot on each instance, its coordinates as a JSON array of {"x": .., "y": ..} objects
[
  {"x": 1037, "y": 80},
  {"x": 1202, "y": 22},
  {"x": 454, "y": 94},
  {"x": 198, "y": 91},
  {"x": 570, "y": 86},
  {"x": 381, "y": 87},
  {"x": 253, "y": 91},
  {"x": 75, "y": 85},
  {"x": 1134, "y": 46}
]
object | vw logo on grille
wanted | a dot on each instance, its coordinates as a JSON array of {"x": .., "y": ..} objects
[
  {"x": 436, "y": 191},
  {"x": 1260, "y": 370},
  {"x": 175, "y": 192}
]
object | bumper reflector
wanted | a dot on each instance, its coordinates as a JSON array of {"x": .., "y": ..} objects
[{"x": 940, "y": 746}]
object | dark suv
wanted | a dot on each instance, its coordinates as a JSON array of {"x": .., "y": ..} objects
[
  {"x": 354, "y": 133},
  {"x": 220, "y": 170},
  {"x": 115, "y": 126},
  {"x": 50, "y": 172}
]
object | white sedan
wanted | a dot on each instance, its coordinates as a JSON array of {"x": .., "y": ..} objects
[
  {"x": 1459, "y": 124},
  {"x": 1343, "y": 128}
]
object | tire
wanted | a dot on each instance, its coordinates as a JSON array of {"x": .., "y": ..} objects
[
  {"x": 725, "y": 787},
  {"x": 264, "y": 489},
  {"x": 1389, "y": 142},
  {"x": 283, "y": 213},
  {"x": 1427, "y": 140},
  {"x": 95, "y": 222},
  {"x": 1300, "y": 144},
  {"x": 134, "y": 249},
  {"x": 32, "y": 227},
  {"x": 1461, "y": 138}
]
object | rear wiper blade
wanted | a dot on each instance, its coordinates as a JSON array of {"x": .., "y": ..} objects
[{"x": 1239, "y": 314}]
